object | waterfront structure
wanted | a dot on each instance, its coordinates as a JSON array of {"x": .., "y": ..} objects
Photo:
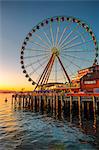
[{"x": 90, "y": 81}]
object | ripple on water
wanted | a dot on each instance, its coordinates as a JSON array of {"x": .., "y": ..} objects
[{"x": 24, "y": 129}]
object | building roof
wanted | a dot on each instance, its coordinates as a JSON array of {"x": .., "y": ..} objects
[
  {"x": 91, "y": 76},
  {"x": 92, "y": 67},
  {"x": 86, "y": 71}
]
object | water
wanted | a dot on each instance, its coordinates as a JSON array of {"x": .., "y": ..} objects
[{"x": 24, "y": 129}]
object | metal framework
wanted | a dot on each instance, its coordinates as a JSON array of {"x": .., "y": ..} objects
[{"x": 57, "y": 47}]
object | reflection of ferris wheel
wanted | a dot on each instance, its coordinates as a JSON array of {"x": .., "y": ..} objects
[{"x": 56, "y": 48}]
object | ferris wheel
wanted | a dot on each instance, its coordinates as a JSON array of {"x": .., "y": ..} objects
[{"x": 56, "y": 48}]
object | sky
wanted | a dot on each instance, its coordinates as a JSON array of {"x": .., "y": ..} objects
[{"x": 17, "y": 18}]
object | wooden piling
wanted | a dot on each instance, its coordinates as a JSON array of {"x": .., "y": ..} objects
[
  {"x": 71, "y": 98},
  {"x": 23, "y": 101}
]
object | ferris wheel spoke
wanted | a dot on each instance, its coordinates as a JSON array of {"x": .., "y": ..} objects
[
  {"x": 39, "y": 37},
  {"x": 77, "y": 36},
  {"x": 64, "y": 30},
  {"x": 30, "y": 64},
  {"x": 47, "y": 38},
  {"x": 64, "y": 76},
  {"x": 36, "y": 43},
  {"x": 56, "y": 43},
  {"x": 62, "y": 34},
  {"x": 74, "y": 45},
  {"x": 27, "y": 57},
  {"x": 70, "y": 41},
  {"x": 38, "y": 78},
  {"x": 71, "y": 61},
  {"x": 68, "y": 35},
  {"x": 76, "y": 57},
  {"x": 67, "y": 66},
  {"x": 38, "y": 67},
  {"x": 72, "y": 73},
  {"x": 52, "y": 37},
  {"x": 35, "y": 49},
  {"x": 82, "y": 51}
]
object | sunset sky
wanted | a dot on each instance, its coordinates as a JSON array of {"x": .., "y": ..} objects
[{"x": 18, "y": 18}]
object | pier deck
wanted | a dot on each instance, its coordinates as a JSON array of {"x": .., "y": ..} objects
[{"x": 56, "y": 100}]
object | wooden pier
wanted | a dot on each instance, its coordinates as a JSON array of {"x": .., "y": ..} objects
[
  {"x": 56, "y": 101},
  {"x": 76, "y": 109}
]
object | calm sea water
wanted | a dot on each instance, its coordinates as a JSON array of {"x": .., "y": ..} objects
[{"x": 23, "y": 129}]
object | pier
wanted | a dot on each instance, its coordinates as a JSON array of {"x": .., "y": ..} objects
[
  {"x": 57, "y": 101},
  {"x": 76, "y": 109}
]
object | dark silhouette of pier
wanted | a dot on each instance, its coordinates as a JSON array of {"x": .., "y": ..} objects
[{"x": 78, "y": 110}]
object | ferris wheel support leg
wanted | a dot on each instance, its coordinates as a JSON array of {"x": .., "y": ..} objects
[
  {"x": 64, "y": 69},
  {"x": 44, "y": 72},
  {"x": 49, "y": 70}
]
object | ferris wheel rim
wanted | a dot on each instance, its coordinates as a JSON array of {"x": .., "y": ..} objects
[{"x": 45, "y": 22}]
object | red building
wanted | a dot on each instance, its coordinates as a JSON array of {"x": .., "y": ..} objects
[{"x": 88, "y": 79}]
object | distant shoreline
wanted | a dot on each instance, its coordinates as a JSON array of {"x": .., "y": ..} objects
[{"x": 7, "y": 92}]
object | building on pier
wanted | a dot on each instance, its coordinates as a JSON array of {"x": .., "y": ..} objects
[{"x": 88, "y": 79}]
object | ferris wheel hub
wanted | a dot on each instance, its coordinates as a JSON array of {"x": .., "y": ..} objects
[{"x": 55, "y": 51}]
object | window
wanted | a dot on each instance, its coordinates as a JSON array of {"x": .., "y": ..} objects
[{"x": 90, "y": 82}]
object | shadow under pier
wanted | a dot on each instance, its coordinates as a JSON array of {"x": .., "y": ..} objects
[{"x": 77, "y": 110}]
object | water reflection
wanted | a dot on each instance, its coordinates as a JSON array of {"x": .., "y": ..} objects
[
  {"x": 82, "y": 114},
  {"x": 48, "y": 123}
]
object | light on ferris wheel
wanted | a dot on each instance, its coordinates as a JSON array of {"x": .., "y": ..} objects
[
  {"x": 22, "y": 52},
  {"x": 23, "y": 67},
  {"x": 24, "y": 71},
  {"x": 21, "y": 57},
  {"x": 33, "y": 83},
  {"x": 29, "y": 79},
  {"x": 22, "y": 62},
  {"x": 26, "y": 75}
]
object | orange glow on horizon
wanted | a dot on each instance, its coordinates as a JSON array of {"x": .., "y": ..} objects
[
  {"x": 14, "y": 81},
  {"x": 16, "y": 88}
]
